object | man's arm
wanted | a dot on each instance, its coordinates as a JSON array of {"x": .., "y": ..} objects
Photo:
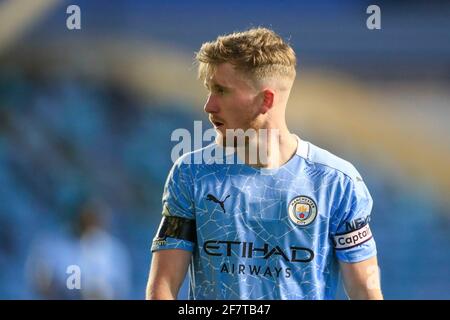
[
  {"x": 362, "y": 279},
  {"x": 167, "y": 273}
]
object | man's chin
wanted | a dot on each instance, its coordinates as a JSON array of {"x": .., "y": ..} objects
[{"x": 221, "y": 139}]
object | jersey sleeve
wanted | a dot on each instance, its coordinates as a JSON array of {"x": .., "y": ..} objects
[
  {"x": 350, "y": 230},
  {"x": 178, "y": 213}
]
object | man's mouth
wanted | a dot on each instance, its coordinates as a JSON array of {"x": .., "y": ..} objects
[{"x": 216, "y": 123}]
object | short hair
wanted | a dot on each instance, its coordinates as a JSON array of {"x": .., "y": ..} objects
[{"x": 259, "y": 53}]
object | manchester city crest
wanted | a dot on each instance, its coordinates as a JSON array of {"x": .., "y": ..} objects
[{"x": 302, "y": 210}]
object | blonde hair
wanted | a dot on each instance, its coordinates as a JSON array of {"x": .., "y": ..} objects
[{"x": 259, "y": 53}]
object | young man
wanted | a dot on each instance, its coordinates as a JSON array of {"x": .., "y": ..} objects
[{"x": 284, "y": 228}]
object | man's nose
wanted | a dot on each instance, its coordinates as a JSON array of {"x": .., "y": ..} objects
[{"x": 211, "y": 105}]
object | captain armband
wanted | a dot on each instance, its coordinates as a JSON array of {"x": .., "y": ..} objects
[
  {"x": 353, "y": 238},
  {"x": 178, "y": 228}
]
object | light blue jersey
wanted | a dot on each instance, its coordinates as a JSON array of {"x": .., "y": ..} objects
[{"x": 270, "y": 235}]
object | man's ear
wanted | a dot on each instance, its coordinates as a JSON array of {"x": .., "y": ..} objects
[{"x": 268, "y": 96}]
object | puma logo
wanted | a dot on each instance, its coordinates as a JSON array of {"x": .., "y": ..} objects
[{"x": 210, "y": 197}]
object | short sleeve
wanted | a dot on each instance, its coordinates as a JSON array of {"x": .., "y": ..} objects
[
  {"x": 177, "y": 201},
  {"x": 350, "y": 230}
]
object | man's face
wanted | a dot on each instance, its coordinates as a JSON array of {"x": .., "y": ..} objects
[{"x": 232, "y": 101}]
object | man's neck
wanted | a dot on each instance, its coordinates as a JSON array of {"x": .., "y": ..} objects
[{"x": 273, "y": 148}]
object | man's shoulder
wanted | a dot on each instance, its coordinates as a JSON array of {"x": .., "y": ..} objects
[
  {"x": 327, "y": 161},
  {"x": 198, "y": 156}
]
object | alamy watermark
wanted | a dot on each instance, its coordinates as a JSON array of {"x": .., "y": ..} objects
[
  {"x": 73, "y": 21},
  {"x": 373, "y": 22},
  {"x": 373, "y": 278},
  {"x": 73, "y": 281},
  {"x": 254, "y": 147}
]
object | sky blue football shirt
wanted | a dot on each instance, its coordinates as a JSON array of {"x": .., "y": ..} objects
[{"x": 269, "y": 234}]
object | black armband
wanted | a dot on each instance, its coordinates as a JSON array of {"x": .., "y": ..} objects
[{"x": 177, "y": 228}]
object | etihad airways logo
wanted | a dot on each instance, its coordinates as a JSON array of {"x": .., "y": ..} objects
[{"x": 249, "y": 250}]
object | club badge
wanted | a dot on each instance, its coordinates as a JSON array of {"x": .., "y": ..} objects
[{"x": 302, "y": 210}]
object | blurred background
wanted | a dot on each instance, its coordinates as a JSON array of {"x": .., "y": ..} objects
[{"x": 86, "y": 118}]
